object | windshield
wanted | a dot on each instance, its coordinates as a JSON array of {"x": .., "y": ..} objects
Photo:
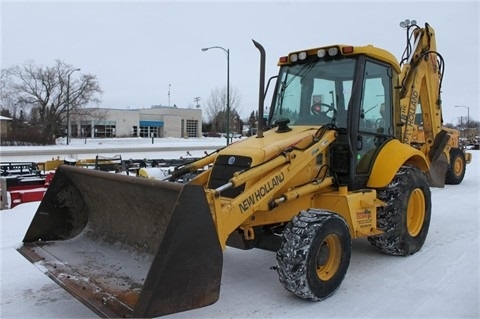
[{"x": 314, "y": 93}]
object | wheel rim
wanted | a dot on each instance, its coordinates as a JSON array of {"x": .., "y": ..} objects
[
  {"x": 415, "y": 212},
  {"x": 458, "y": 166},
  {"x": 329, "y": 257}
]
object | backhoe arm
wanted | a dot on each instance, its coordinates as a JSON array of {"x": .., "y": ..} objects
[
  {"x": 420, "y": 83},
  {"x": 420, "y": 80}
]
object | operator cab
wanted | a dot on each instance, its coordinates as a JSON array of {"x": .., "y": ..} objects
[{"x": 350, "y": 93}]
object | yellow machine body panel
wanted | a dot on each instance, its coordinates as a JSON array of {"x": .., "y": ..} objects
[
  {"x": 390, "y": 158},
  {"x": 358, "y": 208}
]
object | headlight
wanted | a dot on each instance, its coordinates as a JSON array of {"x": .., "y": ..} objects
[{"x": 333, "y": 51}]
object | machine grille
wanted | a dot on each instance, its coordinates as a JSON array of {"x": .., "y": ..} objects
[{"x": 224, "y": 168}]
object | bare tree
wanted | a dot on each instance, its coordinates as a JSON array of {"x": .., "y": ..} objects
[
  {"x": 42, "y": 93},
  {"x": 7, "y": 97},
  {"x": 217, "y": 107}
]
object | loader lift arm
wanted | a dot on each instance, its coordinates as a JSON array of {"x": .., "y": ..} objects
[
  {"x": 191, "y": 167},
  {"x": 263, "y": 195}
]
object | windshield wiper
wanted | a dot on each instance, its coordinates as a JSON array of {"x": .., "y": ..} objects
[{"x": 301, "y": 73}]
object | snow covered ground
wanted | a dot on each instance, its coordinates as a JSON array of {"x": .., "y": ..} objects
[
  {"x": 440, "y": 281},
  {"x": 136, "y": 148}
]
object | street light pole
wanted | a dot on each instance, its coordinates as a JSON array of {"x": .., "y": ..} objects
[
  {"x": 227, "y": 51},
  {"x": 68, "y": 104},
  {"x": 468, "y": 114}
]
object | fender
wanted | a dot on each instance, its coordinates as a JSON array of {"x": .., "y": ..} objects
[{"x": 391, "y": 157}]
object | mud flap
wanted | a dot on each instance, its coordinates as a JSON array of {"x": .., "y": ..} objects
[{"x": 126, "y": 246}]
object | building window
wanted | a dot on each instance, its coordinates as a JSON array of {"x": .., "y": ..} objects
[
  {"x": 150, "y": 128},
  {"x": 100, "y": 129},
  {"x": 191, "y": 128},
  {"x": 86, "y": 129},
  {"x": 148, "y": 131},
  {"x": 104, "y": 130},
  {"x": 74, "y": 130}
]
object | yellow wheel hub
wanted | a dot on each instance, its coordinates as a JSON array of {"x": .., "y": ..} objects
[
  {"x": 458, "y": 166},
  {"x": 416, "y": 212},
  {"x": 329, "y": 257}
]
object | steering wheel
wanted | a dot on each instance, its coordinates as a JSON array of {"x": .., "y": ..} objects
[
  {"x": 317, "y": 108},
  {"x": 379, "y": 125}
]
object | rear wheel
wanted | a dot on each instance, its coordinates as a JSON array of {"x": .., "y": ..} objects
[
  {"x": 456, "y": 169},
  {"x": 314, "y": 255},
  {"x": 406, "y": 216}
]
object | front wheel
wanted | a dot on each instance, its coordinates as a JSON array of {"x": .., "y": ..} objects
[
  {"x": 456, "y": 169},
  {"x": 405, "y": 218},
  {"x": 314, "y": 255}
]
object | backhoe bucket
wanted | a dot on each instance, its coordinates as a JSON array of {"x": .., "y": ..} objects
[{"x": 126, "y": 246}]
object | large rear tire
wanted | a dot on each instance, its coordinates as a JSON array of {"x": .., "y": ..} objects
[
  {"x": 457, "y": 167},
  {"x": 406, "y": 217},
  {"x": 314, "y": 255}
]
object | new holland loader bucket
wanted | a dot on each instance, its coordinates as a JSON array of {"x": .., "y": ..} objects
[{"x": 126, "y": 246}]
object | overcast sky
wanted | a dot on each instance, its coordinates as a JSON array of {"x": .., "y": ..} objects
[{"x": 141, "y": 51}]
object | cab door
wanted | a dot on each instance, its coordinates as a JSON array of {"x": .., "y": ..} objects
[{"x": 374, "y": 123}]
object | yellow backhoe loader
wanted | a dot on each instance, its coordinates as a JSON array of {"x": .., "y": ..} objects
[{"x": 331, "y": 161}]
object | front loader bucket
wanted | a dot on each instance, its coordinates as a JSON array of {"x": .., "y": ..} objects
[{"x": 126, "y": 246}]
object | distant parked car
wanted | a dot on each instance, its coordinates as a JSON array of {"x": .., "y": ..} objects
[
  {"x": 211, "y": 134},
  {"x": 232, "y": 135}
]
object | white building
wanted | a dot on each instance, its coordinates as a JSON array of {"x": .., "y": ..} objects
[
  {"x": 157, "y": 121},
  {"x": 5, "y": 126}
]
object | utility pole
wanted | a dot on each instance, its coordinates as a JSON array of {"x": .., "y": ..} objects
[
  {"x": 68, "y": 104},
  {"x": 468, "y": 119},
  {"x": 227, "y": 52},
  {"x": 169, "y": 94},
  {"x": 196, "y": 100}
]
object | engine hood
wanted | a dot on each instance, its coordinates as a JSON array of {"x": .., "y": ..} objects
[{"x": 271, "y": 144}]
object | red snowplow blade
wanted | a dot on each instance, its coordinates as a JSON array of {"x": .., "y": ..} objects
[{"x": 126, "y": 246}]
